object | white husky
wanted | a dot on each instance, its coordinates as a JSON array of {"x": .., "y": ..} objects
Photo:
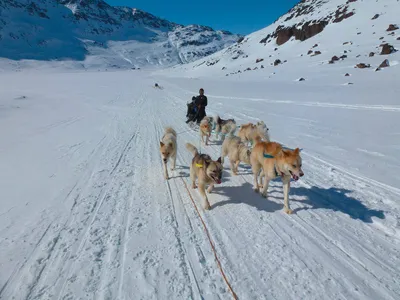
[
  {"x": 168, "y": 149},
  {"x": 236, "y": 151}
]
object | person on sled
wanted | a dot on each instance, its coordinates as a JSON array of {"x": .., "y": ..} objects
[{"x": 198, "y": 105}]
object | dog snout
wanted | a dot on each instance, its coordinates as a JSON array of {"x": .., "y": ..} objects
[
  {"x": 165, "y": 160},
  {"x": 301, "y": 174}
]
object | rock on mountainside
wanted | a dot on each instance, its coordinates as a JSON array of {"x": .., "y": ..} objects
[
  {"x": 89, "y": 30},
  {"x": 315, "y": 34}
]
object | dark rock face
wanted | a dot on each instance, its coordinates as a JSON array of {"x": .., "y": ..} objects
[
  {"x": 362, "y": 66},
  {"x": 308, "y": 30},
  {"x": 387, "y": 49},
  {"x": 384, "y": 64},
  {"x": 342, "y": 14},
  {"x": 392, "y": 27},
  {"x": 371, "y": 54},
  {"x": 277, "y": 62},
  {"x": 259, "y": 60},
  {"x": 375, "y": 17}
]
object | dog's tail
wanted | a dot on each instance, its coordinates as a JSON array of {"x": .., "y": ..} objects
[
  {"x": 170, "y": 130},
  {"x": 192, "y": 149}
]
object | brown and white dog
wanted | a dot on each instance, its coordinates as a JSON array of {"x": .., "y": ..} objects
[
  {"x": 224, "y": 127},
  {"x": 206, "y": 170},
  {"x": 168, "y": 149},
  {"x": 236, "y": 151},
  {"x": 205, "y": 129},
  {"x": 250, "y": 132},
  {"x": 275, "y": 161}
]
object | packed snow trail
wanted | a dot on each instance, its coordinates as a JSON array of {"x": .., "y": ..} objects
[{"x": 86, "y": 213}]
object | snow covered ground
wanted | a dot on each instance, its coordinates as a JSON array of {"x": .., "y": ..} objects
[{"x": 86, "y": 214}]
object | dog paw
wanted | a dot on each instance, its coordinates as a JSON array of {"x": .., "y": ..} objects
[
  {"x": 265, "y": 195},
  {"x": 256, "y": 190},
  {"x": 288, "y": 211},
  {"x": 194, "y": 186},
  {"x": 207, "y": 206},
  {"x": 166, "y": 177}
]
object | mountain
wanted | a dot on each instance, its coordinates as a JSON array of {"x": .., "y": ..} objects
[
  {"x": 317, "y": 36},
  {"x": 95, "y": 33}
]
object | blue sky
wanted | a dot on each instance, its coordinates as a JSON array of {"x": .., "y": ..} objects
[{"x": 241, "y": 17}]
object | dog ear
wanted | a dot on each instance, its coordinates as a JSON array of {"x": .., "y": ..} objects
[
  {"x": 170, "y": 145},
  {"x": 296, "y": 151},
  {"x": 219, "y": 160},
  {"x": 248, "y": 152},
  {"x": 161, "y": 144},
  {"x": 285, "y": 153}
]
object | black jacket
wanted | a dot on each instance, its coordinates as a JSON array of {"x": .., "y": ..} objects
[{"x": 202, "y": 101}]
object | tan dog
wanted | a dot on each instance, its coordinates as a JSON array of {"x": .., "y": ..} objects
[
  {"x": 236, "y": 151},
  {"x": 205, "y": 129},
  {"x": 275, "y": 161},
  {"x": 168, "y": 149},
  {"x": 250, "y": 132},
  {"x": 206, "y": 170}
]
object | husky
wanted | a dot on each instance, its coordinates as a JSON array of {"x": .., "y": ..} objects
[
  {"x": 224, "y": 127},
  {"x": 275, "y": 161},
  {"x": 206, "y": 170},
  {"x": 205, "y": 129},
  {"x": 168, "y": 149},
  {"x": 250, "y": 132},
  {"x": 236, "y": 151}
]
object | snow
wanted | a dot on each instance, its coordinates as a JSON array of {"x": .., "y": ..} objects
[
  {"x": 72, "y": 6},
  {"x": 243, "y": 55},
  {"x": 86, "y": 213}
]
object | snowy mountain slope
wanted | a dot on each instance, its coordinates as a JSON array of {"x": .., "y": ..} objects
[
  {"x": 319, "y": 36},
  {"x": 86, "y": 213},
  {"x": 73, "y": 29}
]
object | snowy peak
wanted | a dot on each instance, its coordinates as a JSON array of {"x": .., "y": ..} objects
[
  {"x": 318, "y": 34},
  {"x": 309, "y": 18},
  {"x": 97, "y": 33}
]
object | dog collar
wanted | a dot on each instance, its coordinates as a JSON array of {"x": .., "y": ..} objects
[
  {"x": 267, "y": 155},
  {"x": 199, "y": 165}
]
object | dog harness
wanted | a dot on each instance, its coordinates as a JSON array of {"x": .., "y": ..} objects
[{"x": 199, "y": 165}]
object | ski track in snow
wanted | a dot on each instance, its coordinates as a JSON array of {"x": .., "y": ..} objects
[{"x": 118, "y": 230}]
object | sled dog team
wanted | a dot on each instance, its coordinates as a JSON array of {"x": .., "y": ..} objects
[{"x": 267, "y": 159}]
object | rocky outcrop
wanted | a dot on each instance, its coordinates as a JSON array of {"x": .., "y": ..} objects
[
  {"x": 306, "y": 31},
  {"x": 384, "y": 64},
  {"x": 392, "y": 27},
  {"x": 362, "y": 66},
  {"x": 387, "y": 49}
]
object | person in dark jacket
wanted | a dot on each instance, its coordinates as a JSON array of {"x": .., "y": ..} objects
[
  {"x": 201, "y": 103},
  {"x": 197, "y": 109}
]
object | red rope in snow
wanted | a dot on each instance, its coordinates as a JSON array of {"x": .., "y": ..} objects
[{"x": 211, "y": 243}]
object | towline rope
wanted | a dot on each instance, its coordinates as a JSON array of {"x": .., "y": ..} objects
[{"x": 211, "y": 243}]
